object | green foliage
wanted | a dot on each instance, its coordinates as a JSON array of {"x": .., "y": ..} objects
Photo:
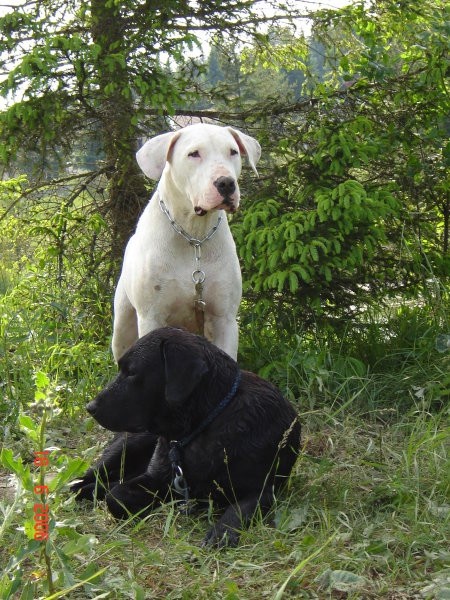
[
  {"x": 100, "y": 75},
  {"x": 298, "y": 247},
  {"x": 50, "y": 544},
  {"x": 55, "y": 305},
  {"x": 355, "y": 210},
  {"x": 354, "y": 365},
  {"x": 75, "y": 63}
]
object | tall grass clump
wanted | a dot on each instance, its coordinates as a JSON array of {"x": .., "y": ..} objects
[{"x": 387, "y": 359}]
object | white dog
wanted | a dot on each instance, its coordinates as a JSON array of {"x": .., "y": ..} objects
[{"x": 180, "y": 267}]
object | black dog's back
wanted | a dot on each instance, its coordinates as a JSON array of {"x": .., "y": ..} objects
[{"x": 253, "y": 444}]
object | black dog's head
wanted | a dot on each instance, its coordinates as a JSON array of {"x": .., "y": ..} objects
[{"x": 156, "y": 376}]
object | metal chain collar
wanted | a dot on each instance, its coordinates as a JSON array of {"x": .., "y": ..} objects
[{"x": 198, "y": 275}]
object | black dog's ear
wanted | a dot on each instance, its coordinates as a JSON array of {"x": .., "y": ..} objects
[{"x": 184, "y": 371}]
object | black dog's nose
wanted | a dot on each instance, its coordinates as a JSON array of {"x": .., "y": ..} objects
[
  {"x": 225, "y": 186},
  {"x": 91, "y": 407}
]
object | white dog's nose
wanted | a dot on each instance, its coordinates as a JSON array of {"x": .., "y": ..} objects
[{"x": 225, "y": 186}]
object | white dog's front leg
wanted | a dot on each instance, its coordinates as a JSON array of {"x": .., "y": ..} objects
[
  {"x": 125, "y": 332},
  {"x": 148, "y": 322},
  {"x": 223, "y": 333}
]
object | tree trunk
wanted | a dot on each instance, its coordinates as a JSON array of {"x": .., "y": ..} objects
[{"x": 126, "y": 186}]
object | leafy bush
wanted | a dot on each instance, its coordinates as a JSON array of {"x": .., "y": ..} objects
[{"x": 55, "y": 307}]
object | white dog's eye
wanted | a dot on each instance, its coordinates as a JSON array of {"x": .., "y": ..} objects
[
  {"x": 233, "y": 152},
  {"x": 195, "y": 154}
]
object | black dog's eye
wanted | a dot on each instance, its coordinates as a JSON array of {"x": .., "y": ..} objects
[
  {"x": 194, "y": 154},
  {"x": 233, "y": 152},
  {"x": 126, "y": 370}
]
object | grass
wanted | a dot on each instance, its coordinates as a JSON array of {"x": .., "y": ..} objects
[{"x": 365, "y": 514}]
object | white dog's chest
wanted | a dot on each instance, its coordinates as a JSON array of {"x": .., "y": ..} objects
[
  {"x": 172, "y": 292},
  {"x": 175, "y": 303}
]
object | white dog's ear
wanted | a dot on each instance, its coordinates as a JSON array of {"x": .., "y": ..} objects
[
  {"x": 153, "y": 155},
  {"x": 248, "y": 146},
  {"x": 183, "y": 372}
]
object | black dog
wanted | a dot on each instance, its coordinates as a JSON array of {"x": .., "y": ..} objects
[{"x": 236, "y": 436}]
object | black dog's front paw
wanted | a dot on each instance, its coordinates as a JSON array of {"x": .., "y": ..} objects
[
  {"x": 221, "y": 536},
  {"x": 133, "y": 498},
  {"x": 116, "y": 505},
  {"x": 83, "y": 491},
  {"x": 88, "y": 488}
]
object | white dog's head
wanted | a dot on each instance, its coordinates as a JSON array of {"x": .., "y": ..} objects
[{"x": 202, "y": 161}]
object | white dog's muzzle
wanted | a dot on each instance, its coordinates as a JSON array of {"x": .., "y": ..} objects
[{"x": 227, "y": 195}]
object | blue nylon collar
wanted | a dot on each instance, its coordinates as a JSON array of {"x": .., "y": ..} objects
[{"x": 177, "y": 445}]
